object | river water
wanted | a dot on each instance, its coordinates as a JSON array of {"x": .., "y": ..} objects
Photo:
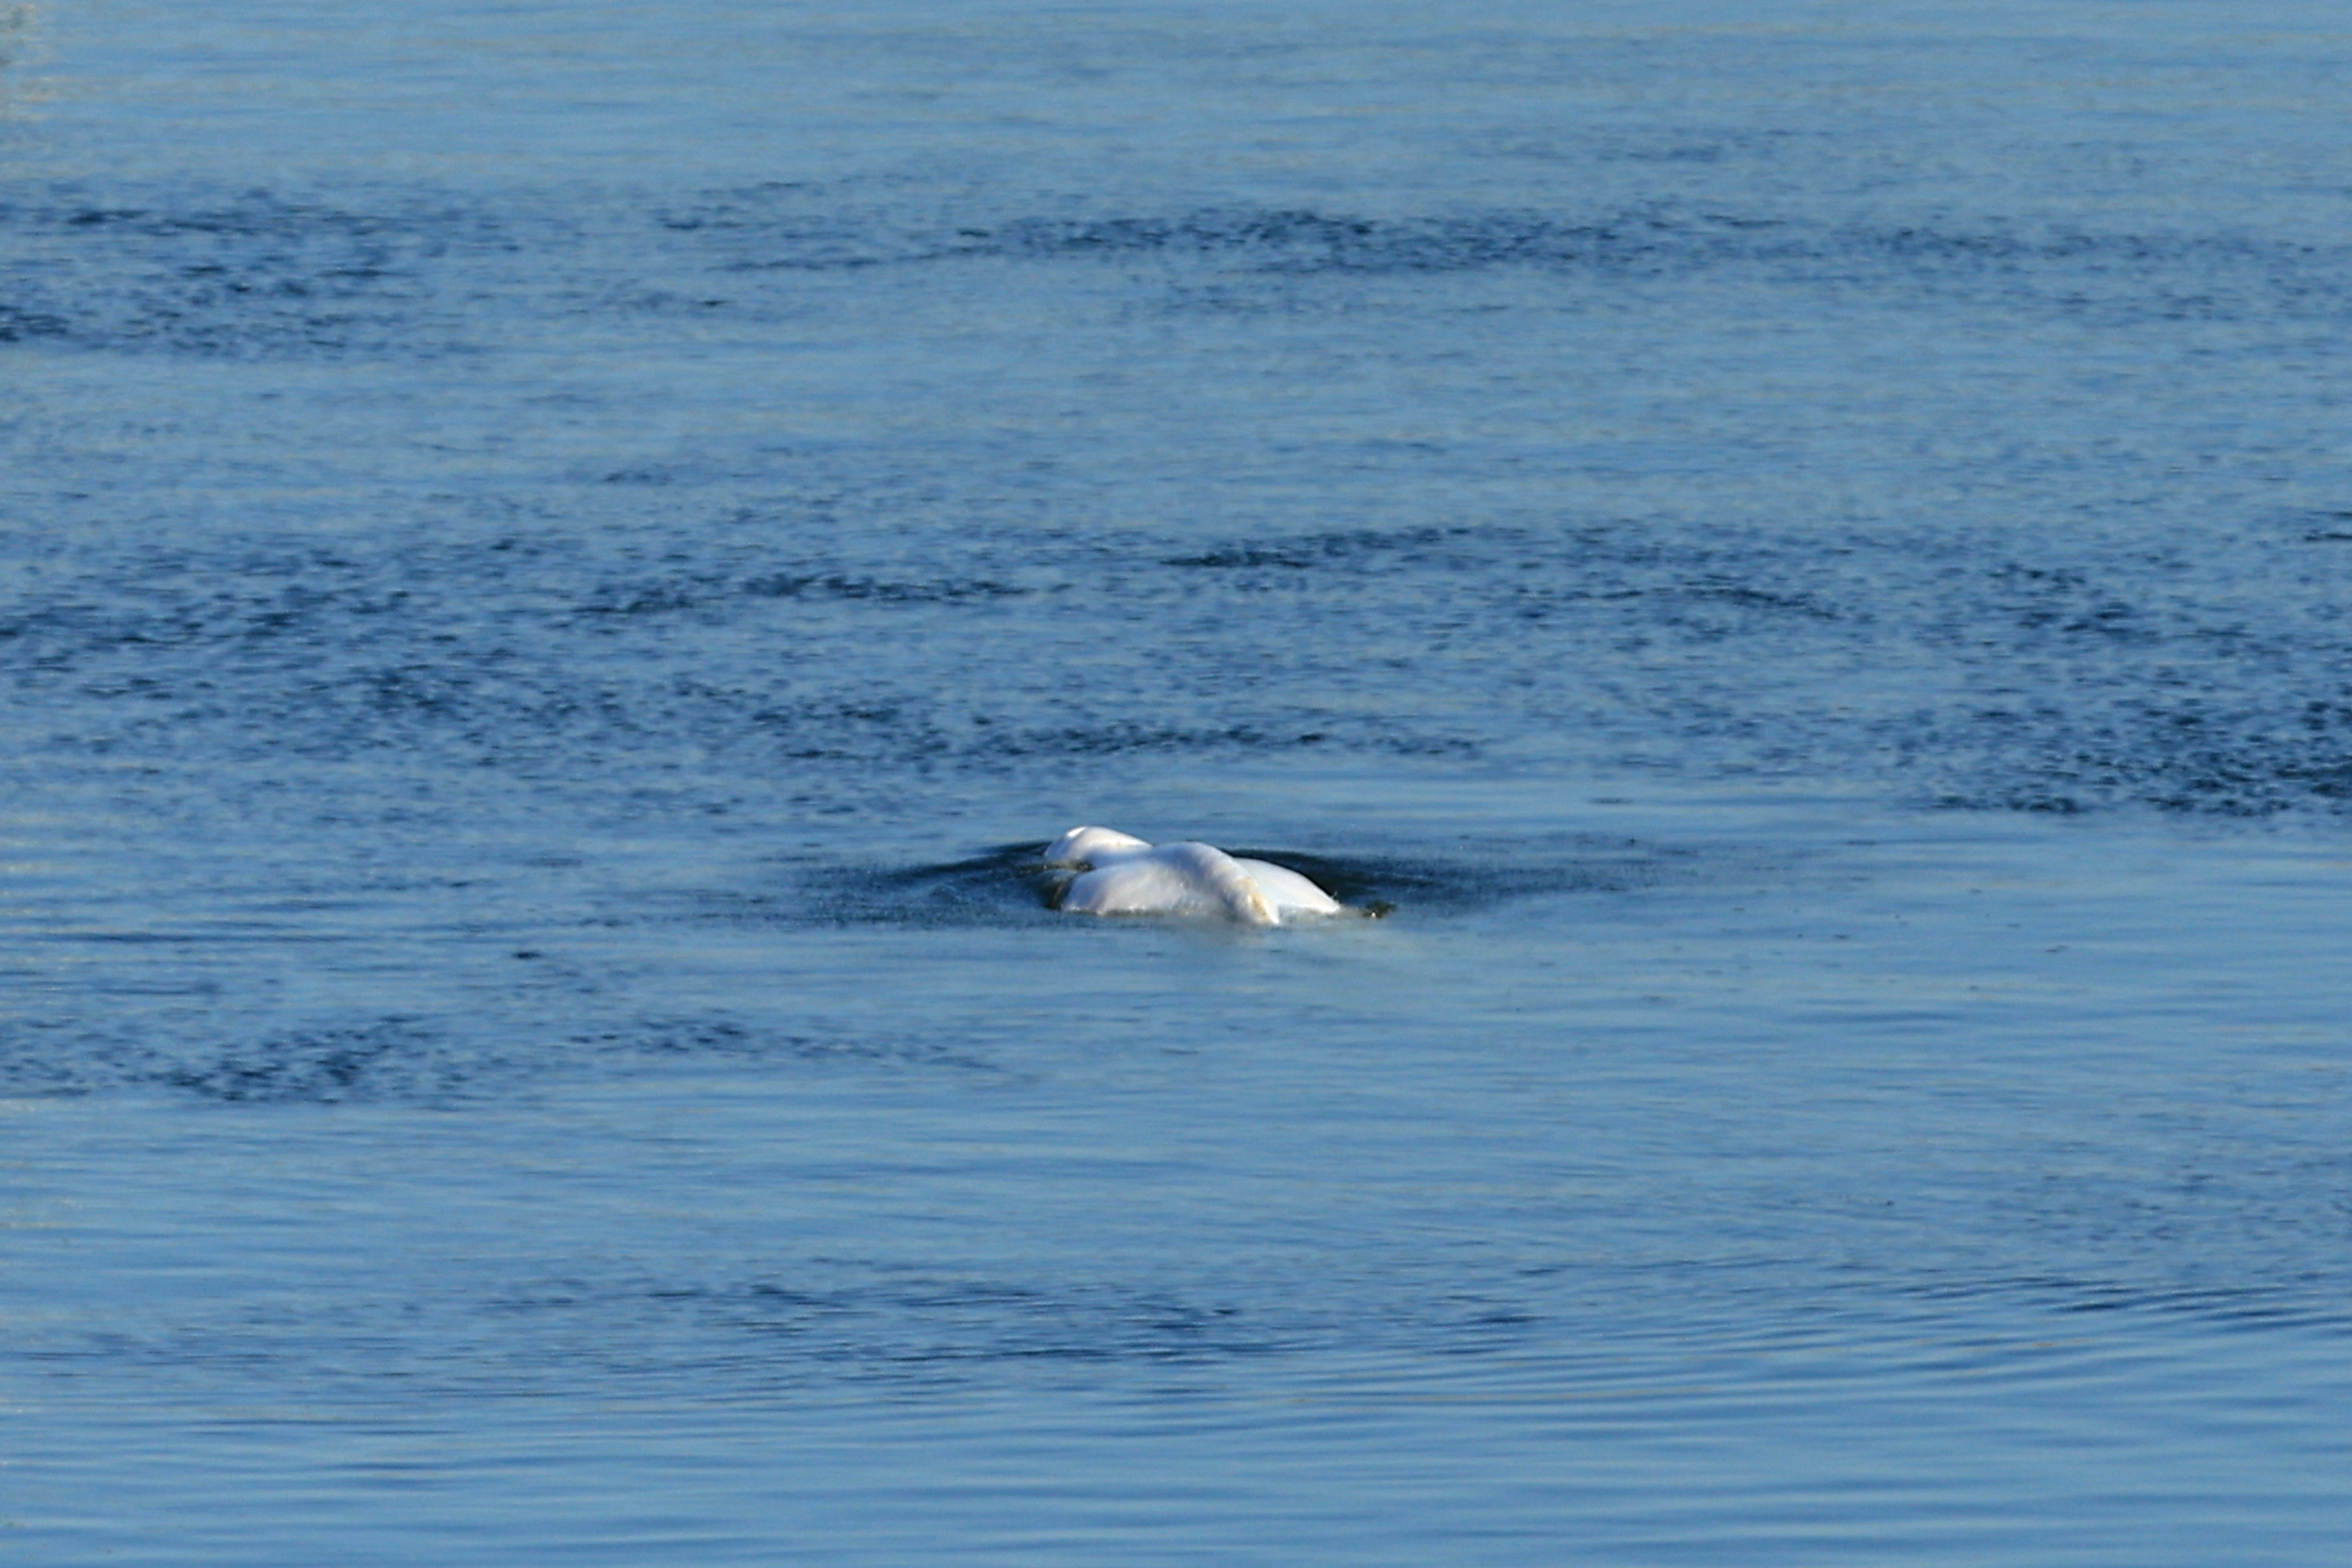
[{"x": 557, "y": 563}]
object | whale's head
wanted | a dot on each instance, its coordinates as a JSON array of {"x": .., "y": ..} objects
[{"x": 1093, "y": 846}]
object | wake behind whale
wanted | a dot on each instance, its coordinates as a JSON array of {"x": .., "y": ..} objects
[{"x": 1016, "y": 883}]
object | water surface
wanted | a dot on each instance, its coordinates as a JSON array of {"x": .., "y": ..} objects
[{"x": 555, "y": 562}]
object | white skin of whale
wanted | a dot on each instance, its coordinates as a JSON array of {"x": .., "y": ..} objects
[{"x": 1126, "y": 875}]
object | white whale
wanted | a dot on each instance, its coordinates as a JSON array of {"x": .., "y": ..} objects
[{"x": 1120, "y": 874}]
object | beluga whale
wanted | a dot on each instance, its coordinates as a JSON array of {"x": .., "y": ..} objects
[{"x": 1120, "y": 874}]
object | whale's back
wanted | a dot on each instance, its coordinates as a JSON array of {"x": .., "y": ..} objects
[{"x": 1173, "y": 880}]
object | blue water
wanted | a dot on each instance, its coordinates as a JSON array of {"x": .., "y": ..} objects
[{"x": 556, "y": 564}]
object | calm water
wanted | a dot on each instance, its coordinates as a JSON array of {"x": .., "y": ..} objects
[{"x": 554, "y": 559}]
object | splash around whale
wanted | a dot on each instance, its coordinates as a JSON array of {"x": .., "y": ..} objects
[{"x": 1120, "y": 874}]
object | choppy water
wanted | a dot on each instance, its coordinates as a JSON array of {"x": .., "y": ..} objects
[{"x": 555, "y": 562}]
